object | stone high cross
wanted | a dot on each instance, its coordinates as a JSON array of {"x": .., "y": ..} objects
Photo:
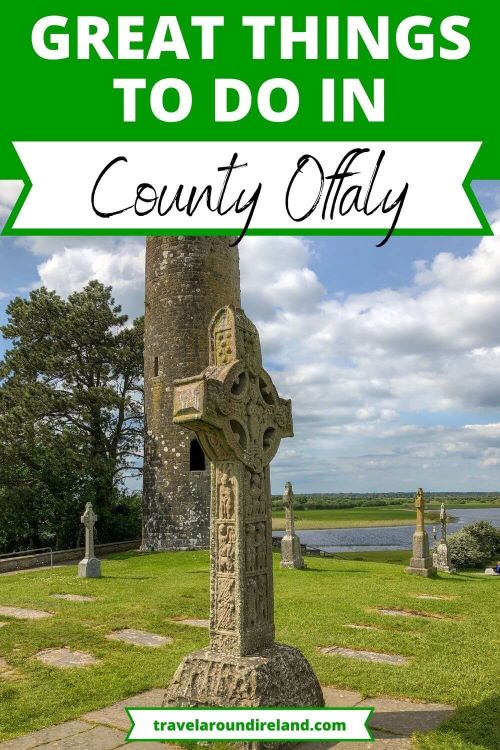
[
  {"x": 421, "y": 561},
  {"x": 443, "y": 517},
  {"x": 291, "y": 552},
  {"x": 90, "y": 566},
  {"x": 239, "y": 419},
  {"x": 288, "y": 506},
  {"x": 89, "y": 519},
  {"x": 441, "y": 557}
]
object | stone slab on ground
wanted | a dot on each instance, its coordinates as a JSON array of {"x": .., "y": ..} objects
[
  {"x": 335, "y": 698},
  {"x": 66, "y": 658},
  {"x": 105, "y": 729},
  {"x": 74, "y": 597},
  {"x": 193, "y": 623},
  {"x": 139, "y": 638},
  {"x": 382, "y": 742},
  {"x": 45, "y": 736},
  {"x": 20, "y": 613},
  {"x": 115, "y": 715},
  {"x": 354, "y": 626},
  {"x": 405, "y": 717},
  {"x": 95, "y": 738},
  {"x": 351, "y": 653},
  {"x": 408, "y": 613}
]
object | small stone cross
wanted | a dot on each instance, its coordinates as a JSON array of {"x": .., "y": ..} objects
[
  {"x": 419, "y": 504},
  {"x": 443, "y": 517},
  {"x": 288, "y": 506},
  {"x": 89, "y": 519},
  {"x": 90, "y": 566},
  {"x": 291, "y": 552}
]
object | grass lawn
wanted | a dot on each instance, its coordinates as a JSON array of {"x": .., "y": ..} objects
[
  {"x": 395, "y": 556},
  {"x": 342, "y": 518},
  {"x": 452, "y": 660}
]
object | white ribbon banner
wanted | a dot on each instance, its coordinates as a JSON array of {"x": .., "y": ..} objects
[
  {"x": 243, "y": 724},
  {"x": 219, "y": 186}
]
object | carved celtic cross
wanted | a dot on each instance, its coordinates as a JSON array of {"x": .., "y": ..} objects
[
  {"x": 420, "y": 505},
  {"x": 239, "y": 420},
  {"x": 288, "y": 506},
  {"x": 89, "y": 519},
  {"x": 443, "y": 517}
]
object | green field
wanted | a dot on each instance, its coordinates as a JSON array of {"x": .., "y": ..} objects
[
  {"x": 395, "y": 556},
  {"x": 452, "y": 660},
  {"x": 342, "y": 518},
  {"x": 383, "y": 515}
]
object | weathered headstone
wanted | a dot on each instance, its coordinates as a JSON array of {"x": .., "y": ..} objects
[
  {"x": 239, "y": 419},
  {"x": 421, "y": 561},
  {"x": 441, "y": 557},
  {"x": 90, "y": 566},
  {"x": 490, "y": 572},
  {"x": 291, "y": 554}
]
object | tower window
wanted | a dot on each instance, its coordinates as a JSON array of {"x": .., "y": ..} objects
[
  {"x": 156, "y": 367},
  {"x": 196, "y": 456}
]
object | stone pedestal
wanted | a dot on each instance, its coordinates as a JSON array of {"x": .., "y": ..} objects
[
  {"x": 291, "y": 553},
  {"x": 278, "y": 676},
  {"x": 421, "y": 561},
  {"x": 89, "y": 568}
]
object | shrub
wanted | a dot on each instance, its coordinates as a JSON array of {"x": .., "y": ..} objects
[{"x": 475, "y": 545}]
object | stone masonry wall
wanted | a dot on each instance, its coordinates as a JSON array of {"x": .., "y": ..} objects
[{"x": 187, "y": 280}]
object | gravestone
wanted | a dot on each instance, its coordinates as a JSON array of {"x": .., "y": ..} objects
[
  {"x": 90, "y": 566},
  {"x": 421, "y": 561},
  {"x": 240, "y": 420},
  {"x": 441, "y": 557},
  {"x": 291, "y": 554}
]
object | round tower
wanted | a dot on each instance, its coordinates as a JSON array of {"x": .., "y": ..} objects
[{"x": 187, "y": 280}]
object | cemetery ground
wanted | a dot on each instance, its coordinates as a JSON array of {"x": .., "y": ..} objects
[{"x": 450, "y": 643}]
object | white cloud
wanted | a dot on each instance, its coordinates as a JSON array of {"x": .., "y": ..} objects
[
  {"x": 366, "y": 372},
  {"x": 378, "y": 380},
  {"x": 9, "y": 193},
  {"x": 120, "y": 265}
]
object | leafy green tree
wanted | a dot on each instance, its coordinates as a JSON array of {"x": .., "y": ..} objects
[{"x": 71, "y": 413}]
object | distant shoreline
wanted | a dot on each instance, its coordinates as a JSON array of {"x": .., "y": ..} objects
[{"x": 366, "y": 517}]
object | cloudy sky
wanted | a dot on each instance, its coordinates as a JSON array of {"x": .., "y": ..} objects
[{"x": 391, "y": 355}]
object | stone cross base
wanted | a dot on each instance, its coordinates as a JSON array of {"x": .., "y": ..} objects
[
  {"x": 441, "y": 559},
  {"x": 421, "y": 562},
  {"x": 89, "y": 567},
  {"x": 291, "y": 553},
  {"x": 278, "y": 677},
  {"x": 421, "y": 566}
]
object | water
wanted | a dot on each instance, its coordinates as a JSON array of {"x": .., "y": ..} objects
[{"x": 388, "y": 537}]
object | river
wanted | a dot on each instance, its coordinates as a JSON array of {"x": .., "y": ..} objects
[{"x": 388, "y": 537}]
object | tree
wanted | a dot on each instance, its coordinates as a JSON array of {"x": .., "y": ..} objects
[{"x": 71, "y": 409}]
